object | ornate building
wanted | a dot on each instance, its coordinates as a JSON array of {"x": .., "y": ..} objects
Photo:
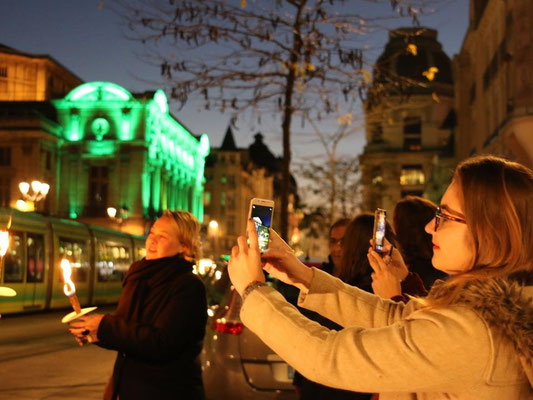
[
  {"x": 494, "y": 81},
  {"x": 409, "y": 120},
  {"x": 233, "y": 177},
  {"x": 97, "y": 146},
  {"x": 127, "y": 152}
]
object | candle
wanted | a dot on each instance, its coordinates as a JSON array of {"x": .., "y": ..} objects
[{"x": 69, "y": 288}]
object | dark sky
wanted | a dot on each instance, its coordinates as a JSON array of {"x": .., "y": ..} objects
[{"x": 86, "y": 37}]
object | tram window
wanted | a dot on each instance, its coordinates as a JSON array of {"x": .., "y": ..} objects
[
  {"x": 140, "y": 252},
  {"x": 13, "y": 260},
  {"x": 76, "y": 252},
  {"x": 112, "y": 261},
  {"x": 35, "y": 271}
]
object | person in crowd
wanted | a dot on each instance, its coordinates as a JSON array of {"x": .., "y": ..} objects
[
  {"x": 336, "y": 236},
  {"x": 470, "y": 338},
  {"x": 411, "y": 215},
  {"x": 348, "y": 241},
  {"x": 159, "y": 324}
]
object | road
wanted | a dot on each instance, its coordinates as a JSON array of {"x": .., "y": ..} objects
[{"x": 39, "y": 359}]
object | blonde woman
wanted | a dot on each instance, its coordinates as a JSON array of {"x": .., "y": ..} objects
[
  {"x": 472, "y": 338},
  {"x": 159, "y": 323}
]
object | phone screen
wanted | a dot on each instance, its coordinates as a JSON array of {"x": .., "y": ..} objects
[
  {"x": 262, "y": 216},
  {"x": 379, "y": 229}
]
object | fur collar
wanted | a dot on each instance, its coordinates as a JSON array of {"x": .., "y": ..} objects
[{"x": 507, "y": 306}]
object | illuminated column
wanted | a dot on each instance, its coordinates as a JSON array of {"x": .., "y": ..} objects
[
  {"x": 156, "y": 188},
  {"x": 146, "y": 190},
  {"x": 164, "y": 191}
]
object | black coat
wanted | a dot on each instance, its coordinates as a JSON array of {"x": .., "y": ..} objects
[{"x": 157, "y": 329}]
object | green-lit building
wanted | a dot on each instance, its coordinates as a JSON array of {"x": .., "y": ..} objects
[{"x": 103, "y": 147}]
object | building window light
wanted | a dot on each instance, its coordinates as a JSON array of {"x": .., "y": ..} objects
[{"x": 412, "y": 175}]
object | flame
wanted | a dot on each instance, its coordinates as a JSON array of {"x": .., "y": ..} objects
[
  {"x": 4, "y": 242},
  {"x": 69, "y": 289}
]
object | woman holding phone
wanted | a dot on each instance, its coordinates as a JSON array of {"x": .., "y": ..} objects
[{"x": 471, "y": 338}]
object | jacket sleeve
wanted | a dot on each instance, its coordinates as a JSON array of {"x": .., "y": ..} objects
[
  {"x": 347, "y": 305},
  {"x": 180, "y": 326},
  {"x": 426, "y": 351}
]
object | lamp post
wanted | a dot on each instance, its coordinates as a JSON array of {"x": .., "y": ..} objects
[
  {"x": 32, "y": 193},
  {"x": 119, "y": 216},
  {"x": 213, "y": 232}
]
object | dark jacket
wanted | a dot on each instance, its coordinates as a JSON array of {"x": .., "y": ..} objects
[{"x": 157, "y": 329}]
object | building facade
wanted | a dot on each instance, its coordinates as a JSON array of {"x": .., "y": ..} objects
[
  {"x": 409, "y": 121},
  {"x": 33, "y": 77},
  {"x": 494, "y": 81},
  {"x": 126, "y": 152},
  {"x": 234, "y": 176},
  {"x": 98, "y": 147}
]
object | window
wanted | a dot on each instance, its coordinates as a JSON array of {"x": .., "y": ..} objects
[
  {"x": 418, "y": 193},
  {"x": 223, "y": 199},
  {"x": 376, "y": 133},
  {"x": 112, "y": 261},
  {"x": 207, "y": 198},
  {"x": 473, "y": 93},
  {"x": 5, "y": 191},
  {"x": 230, "y": 200},
  {"x": 412, "y": 175},
  {"x": 35, "y": 271},
  {"x": 5, "y": 156},
  {"x": 48, "y": 158},
  {"x": 98, "y": 191},
  {"x": 14, "y": 259},
  {"x": 223, "y": 179},
  {"x": 231, "y": 181},
  {"x": 76, "y": 252},
  {"x": 3, "y": 72},
  {"x": 230, "y": 224},
  {"x": 412, "y": 134}
]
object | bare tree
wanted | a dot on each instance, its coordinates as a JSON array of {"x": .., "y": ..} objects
[{"x": 292, "y": 58}]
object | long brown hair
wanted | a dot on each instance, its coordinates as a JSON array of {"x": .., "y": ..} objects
[
  {"x": 355, "y": 268},
  {"x": 498, "y": 206},
  {"x": 411, "y": 215}
]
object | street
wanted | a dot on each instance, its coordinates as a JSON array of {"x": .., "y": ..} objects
[{"x": 39, "y": 359}]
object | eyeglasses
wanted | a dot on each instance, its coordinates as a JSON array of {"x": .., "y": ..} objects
[
  {"x": 334, "y": 241},
  {"x": 439, "y": 215}
]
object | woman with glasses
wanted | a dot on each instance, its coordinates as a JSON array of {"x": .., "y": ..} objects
[{"x": 471, "y": 338}]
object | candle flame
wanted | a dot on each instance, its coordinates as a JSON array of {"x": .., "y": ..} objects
[
  {"x": 4, "y": 242},
  {"x": 69, "y": 289}
]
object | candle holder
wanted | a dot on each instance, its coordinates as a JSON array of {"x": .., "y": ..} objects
[{"x": 70, "y": 291}]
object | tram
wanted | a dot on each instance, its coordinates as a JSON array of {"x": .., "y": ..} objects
[{"x": 99, "y": 258}]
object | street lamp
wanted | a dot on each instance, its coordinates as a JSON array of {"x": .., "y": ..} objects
[
  {"x": 39, "y": 190},
  {"x": 31, "y": 194},
  {"x": 118, "y": 215},
  {"x": 213, "y": 232}
]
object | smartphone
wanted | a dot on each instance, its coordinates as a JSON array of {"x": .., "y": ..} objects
[
  {"x": 380, "y": 223},
  {"x": 261, "y": 211}
]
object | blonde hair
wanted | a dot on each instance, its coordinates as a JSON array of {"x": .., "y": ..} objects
[
  {"x": 498, "y": 206},
  {"x": 188, "y": 230}
]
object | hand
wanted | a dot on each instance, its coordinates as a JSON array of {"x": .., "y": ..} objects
[
  {"x": 282, "y": 264},
  {"x": 245, "y": 262},
  {"x": 85, "y": 328},
  {"x": 384, "y": 282},
  {"x": 392, "y": 256}
]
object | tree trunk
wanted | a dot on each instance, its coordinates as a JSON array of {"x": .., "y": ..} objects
[{"x": 286, "y": 125}]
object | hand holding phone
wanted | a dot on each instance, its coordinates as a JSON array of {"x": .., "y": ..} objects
[
  {"x": 261, "y": 212},
  {"x": 380, "y": 223}
]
